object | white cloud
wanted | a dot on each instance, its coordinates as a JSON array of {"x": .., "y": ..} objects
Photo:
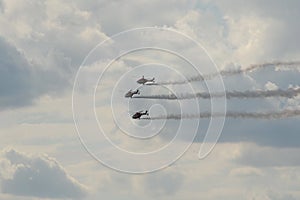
[
  {"x": 271, "y": 26},
  {"x": 37, "y": 176},
  {"x": 271, "y": 86},
  {"x": 246, "y": 171},
  {"x": 116, "y": 16}
]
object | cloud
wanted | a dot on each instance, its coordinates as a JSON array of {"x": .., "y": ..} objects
[
  {"x": 37, "y": 176},
  {"x": 270, "y": 29},
  {"x": 280, "y": 196},
  {"x": 246, "y": 171},
  {"x": 163, "y": 183},
  {"x": 135, "y": 14},
  {"x": 258, "y": 156},
  {"x": 41, "y": 49},
  {"x": 15, "y": 77},
  {"x": 22, "y": 82}
]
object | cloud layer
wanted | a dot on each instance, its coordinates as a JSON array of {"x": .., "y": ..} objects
[
  {"x": 42, "y": 44},
  {"x": 37, "y": 176}
]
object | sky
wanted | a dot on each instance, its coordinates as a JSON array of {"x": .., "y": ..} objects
[{"x": 66, "y": 129}]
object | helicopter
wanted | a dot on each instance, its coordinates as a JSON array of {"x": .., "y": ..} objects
[
  {"x": 143, "y": 80},
  {"x": 139, "y": 114},
  {"x": 130, "y": 93}
]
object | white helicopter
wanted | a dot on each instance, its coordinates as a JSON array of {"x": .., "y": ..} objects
[
  {"x": 130, "y": 93},
  {"x": 143, "y": 80}
]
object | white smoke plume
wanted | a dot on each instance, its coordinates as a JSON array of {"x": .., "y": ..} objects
[
  {"x": 289, "y": 93},
  {"x": 253, "y": 115},
  {"x": 231, "y": 72}
]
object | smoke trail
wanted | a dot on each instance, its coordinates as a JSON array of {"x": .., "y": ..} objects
[
  {"x": 253, "y": 115},
  {"x": 289, "y": 93},
  {"x": 230, "y": 72}
]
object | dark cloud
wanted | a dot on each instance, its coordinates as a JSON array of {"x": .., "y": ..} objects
[
  {"x": 15, "y": 77},
  {"x": 22, "y": 82},
  {"x": 259, "y": 156},
  {"x": 1, "y": 6},
  {"x": 279, "y": 133},
  {"x": 39, "y": 176},
  {"x": 273, "y": 133},
  {"x": 276, "y": 196}
]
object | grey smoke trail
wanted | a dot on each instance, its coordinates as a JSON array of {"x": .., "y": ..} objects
[
  {"x": 229, "y": 72},
  {"x": 289, "y": 93},
  {"x": 253, "y": 115}
]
